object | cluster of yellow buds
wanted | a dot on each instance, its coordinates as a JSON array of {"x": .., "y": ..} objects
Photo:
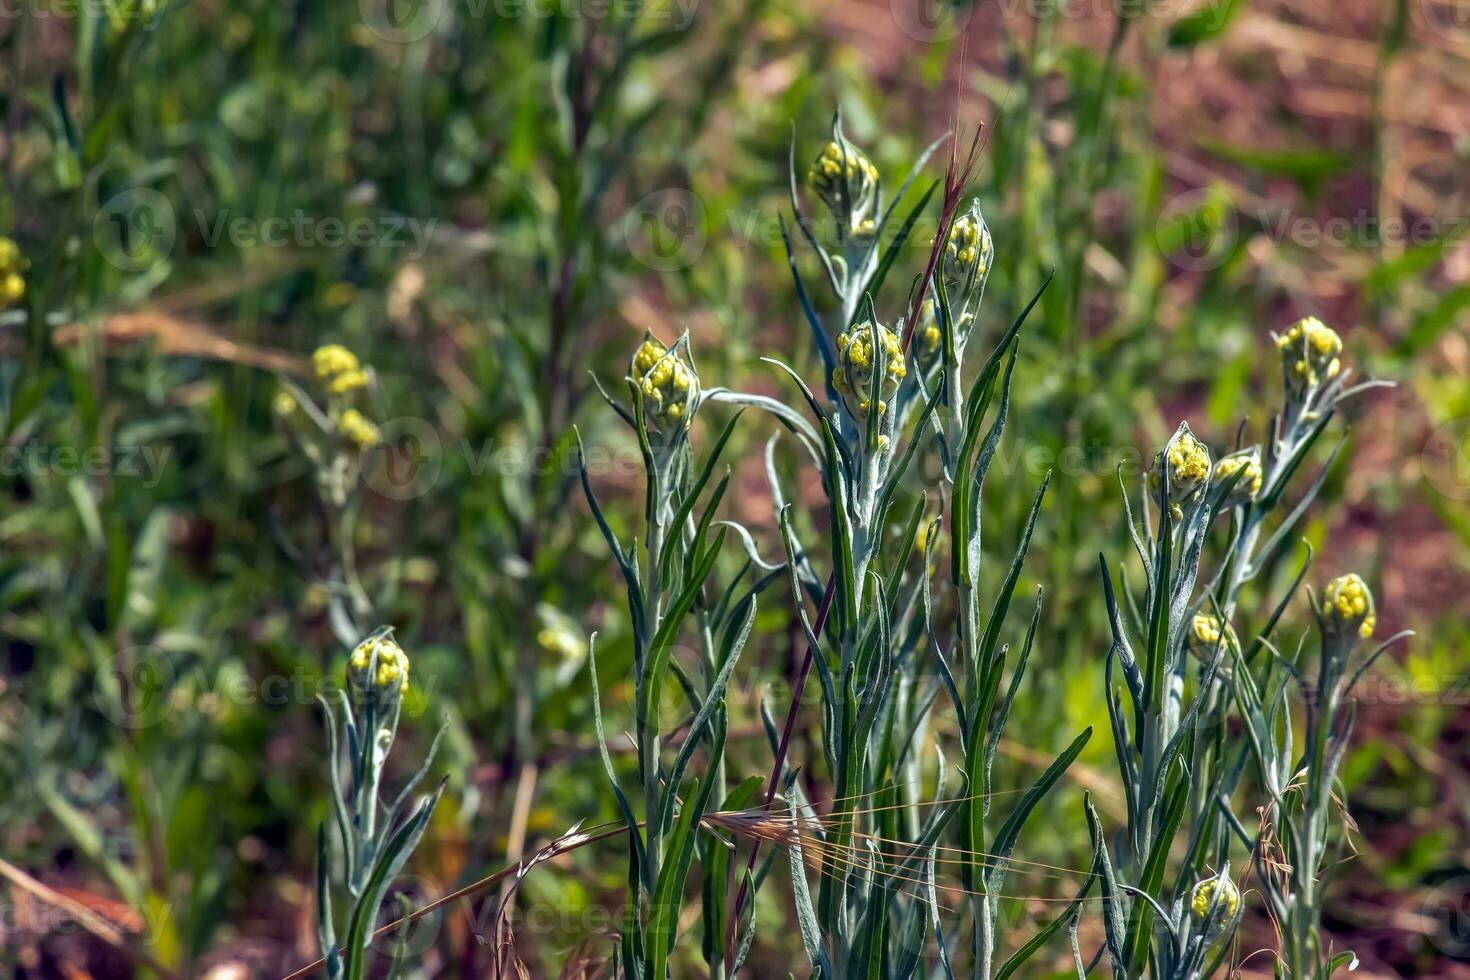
[
  {"x": 1226, "y": 906},
  {"x": 343, "y": 377},
  {"x": 1188, "y": 462},
  {"x": 356, "y": 429},
  {"x": 669, "y": 385},
  {"x": 967, "y": 252},
  {"x": 929, "y": 336},
  {"x": 378, "y": 665},
  {"x": 1347, "y": 607},
  {"x": 338, "y": 369},
  {"x": 12, "y": 286},
  {"x": 1309, "y": 353},
  {"x": 847, "y": 182},
  {"x": 857, "y": 364},
  {"x": 1204, "y": 638},
  {"x": 1247, "y": 463}
]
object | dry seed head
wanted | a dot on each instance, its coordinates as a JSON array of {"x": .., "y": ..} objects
[
  {"x": 857, "y": 363},
  {"x": 1309, "y": 353},
  {"x": 1247, "y": 463},
  {"x": 1347, "y": 606}
]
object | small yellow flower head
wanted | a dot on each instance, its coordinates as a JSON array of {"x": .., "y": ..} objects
[
  {"x": 857, "y": 362},
  {"x": 1227, "y": 906},
  {"x": 12, "y": 285},
  {"x": 1188, "y": 464},
  {"x": 12, "y": 289},
  {"x": 1309, "y": 354},
  {"x": 1347, "y": 607},
  {"x": 1204, "y": 638},
  {"x": 668, "y": 382},
  {"x": 842, "y": 164},
  {"x": 1247, "y": 463},
  {"x": 378, "y": 666},
  {"x": 356, "y": 429},
  {"x": 967, "y": 252},
  {"x": 283, "y": 403},
  {"x": 347, "y": 382},
  {"x": 332, "y": 361}
]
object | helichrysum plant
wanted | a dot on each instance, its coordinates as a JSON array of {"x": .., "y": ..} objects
[
  {"x": 895, "y": 823},
  {"x": 372, "y": 839},
  {"x": 668, "y": 574},
  {"x": 1184, "y": 668},
  {"x": 334, "y": 434},
  {"x": 895, "y": 643}
]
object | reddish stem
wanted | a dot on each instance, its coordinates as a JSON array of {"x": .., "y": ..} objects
[{"x": 733, "y": 919}]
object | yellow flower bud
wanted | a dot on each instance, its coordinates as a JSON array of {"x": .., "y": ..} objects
[
  {"x": 967, "y": 250},
  {"x": 1188, "y": 463},
  {"x": 1247, "y": 463},
  {"x": 667, "y": 380},
  {"x": 356, "y": 429},
  {"x": 12, "y": 289},
  {"x": 1309, "y": 354},
  {"x": 857, "y": 363},
  {"x": 842, "y": 166},
  {"x": 1347, "y": 607},
  {"x": 1226, "y": 906},
  {"x": 1204, "y": 639},
  {"x": 378, "y": 665},
  {"x": 332, "y": 360}
]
